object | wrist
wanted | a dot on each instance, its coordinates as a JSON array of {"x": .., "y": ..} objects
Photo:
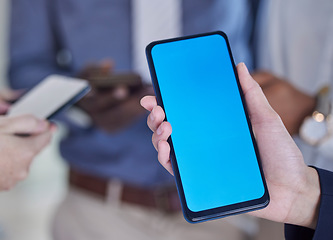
[{"x": 305, "y": 208}]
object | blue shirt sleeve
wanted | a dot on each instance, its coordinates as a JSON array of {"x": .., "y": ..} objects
[
  {"x": 324, "y": 229},
  {"x": 33, "y": 48}
]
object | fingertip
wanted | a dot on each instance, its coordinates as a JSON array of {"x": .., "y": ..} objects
[
  {"x": 167, "y": 128},
  {"x": 159, "y": 112},
  {"x": 164, "y": 127},
  {"x": 155, "y": 118},
  {"x": 242, "y": 66},
  {"x": 148, "y": 102},
  {"x": 245, "y": 78},
  {"x": 53, "y": 127},
  {"x": 164, "y": 155},
  {"x": 142, "y": 102},
  {"x": 4, "y": 107}
]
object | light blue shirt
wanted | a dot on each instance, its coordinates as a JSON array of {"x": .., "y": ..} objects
[{"x": 93, "y": 30}]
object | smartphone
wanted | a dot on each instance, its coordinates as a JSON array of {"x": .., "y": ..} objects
[
  {"x": 104, "y": 83},
  {"x": 214, "y": 154},
  {"x": 51, "y": 96}
]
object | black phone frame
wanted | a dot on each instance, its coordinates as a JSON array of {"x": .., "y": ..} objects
[{"x": 223, "y": 211}]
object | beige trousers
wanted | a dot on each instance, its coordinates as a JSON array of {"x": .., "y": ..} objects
[{"x": 85, "y": 217}]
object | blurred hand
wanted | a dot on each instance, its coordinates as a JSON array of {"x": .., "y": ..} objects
[
  {"x": 291, "y": 104},
  {"x": 113, "y": 108},
  {"x": 294, "y": 187},
  {"x": 92, "y": 71},
  {"x": 7, "y": 96},
  {"x": 21, "y": 139}
]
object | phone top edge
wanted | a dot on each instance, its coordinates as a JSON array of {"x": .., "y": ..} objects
[
  {"x": 150, "y": 46},
  {"x": 71, "y": 102}
]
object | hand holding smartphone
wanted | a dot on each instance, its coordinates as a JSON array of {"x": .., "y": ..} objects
[{"x": 195, "y": 73}]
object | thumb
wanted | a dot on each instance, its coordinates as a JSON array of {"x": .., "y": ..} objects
[
  {"x": 258, "y": 107},
  {"x": 25, "y": 124}
]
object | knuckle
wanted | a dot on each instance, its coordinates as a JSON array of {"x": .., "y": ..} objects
[
  {"x": 273, "y": 117},
  {"x": 167, "y": 130},
  {"x": 159, "y": 110}
]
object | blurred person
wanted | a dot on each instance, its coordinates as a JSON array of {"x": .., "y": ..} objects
[
  {"x": 300, "y": 196},
  {"x": 117, "y": 189},
  {"x": 295, "y": 50},
  {"x": 21, "y": 139}
]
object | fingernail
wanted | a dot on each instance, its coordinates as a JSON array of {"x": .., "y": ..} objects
[
  {"x": 245, "y": 67},
  {"x": 159, "y": 130}
]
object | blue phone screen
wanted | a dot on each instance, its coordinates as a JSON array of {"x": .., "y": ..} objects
[{"x": 211, "y": 138}]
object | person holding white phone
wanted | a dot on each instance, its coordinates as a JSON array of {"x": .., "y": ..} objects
[{"x": 21, "y": 139}]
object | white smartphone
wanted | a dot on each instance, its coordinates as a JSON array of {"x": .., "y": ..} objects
[{"x": 51, "y": 96}]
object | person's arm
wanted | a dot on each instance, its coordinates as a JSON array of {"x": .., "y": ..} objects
[
  {"x": 21, "y": 139},
  {"x": 293, "y": 186}
]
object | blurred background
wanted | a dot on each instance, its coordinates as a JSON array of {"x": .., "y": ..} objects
[
  {"x": 26, "y": 211},
  {"x": 4, "y": 21},
  {"x": 95, "y": 40}
]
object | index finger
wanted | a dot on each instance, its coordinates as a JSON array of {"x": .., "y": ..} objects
[
  {"x": 148, "y": 102},
  {"x": 24, "y": 124}
]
